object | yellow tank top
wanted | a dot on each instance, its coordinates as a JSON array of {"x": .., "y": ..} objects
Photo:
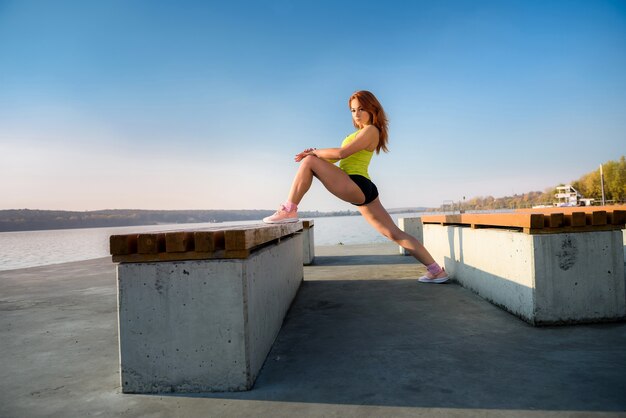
[{"x": 358, "y": 162}]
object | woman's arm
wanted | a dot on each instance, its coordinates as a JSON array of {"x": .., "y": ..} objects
[
  {"x": 329, "y": 154},
  {"x": 367, "y": 138},
  {"x": 316, "y": 152}
]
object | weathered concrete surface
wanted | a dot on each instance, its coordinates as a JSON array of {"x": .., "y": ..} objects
[
  {"x": 363, "y": 339},
  {"x": 413, "y": 227},
  {"x": 579, "y": 277},
  {"x": 308, "y": 245},
  {"x": 202, "y": 326},
  {"x": 544, "y": 279}
]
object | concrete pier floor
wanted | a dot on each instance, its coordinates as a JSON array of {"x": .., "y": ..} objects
[{"x": 362, "y": 339}]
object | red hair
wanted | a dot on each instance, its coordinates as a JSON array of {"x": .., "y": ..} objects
[{"x": 371, "y": 105}]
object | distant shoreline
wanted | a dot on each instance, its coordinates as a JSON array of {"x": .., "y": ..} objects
[{"x": 17, "y": 220}]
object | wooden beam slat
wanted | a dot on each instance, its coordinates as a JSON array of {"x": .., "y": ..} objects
[
  {"x": 596, "y": 218},
  {"x": 179, "y": 242},
  {"x": 570, "y": 229},
  {"x": 150, "y": 243},
  {"x": 617, "y": 217},
  {"x": 291, "y": 228},
  {"x": 237, "y": 254},
  {"x": 578, "y": 219},
  {"x": 554, "y": 220},
  {"x": 238, "y": 239},
  {"x": 209, "y": 241},
  {"x": 246, "y": 239},
  {"x": 123, "y": 244},
  {"x": 183, "y": 256}
]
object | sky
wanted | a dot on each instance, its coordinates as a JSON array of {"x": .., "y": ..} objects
[{"x": 203, "y": 104}]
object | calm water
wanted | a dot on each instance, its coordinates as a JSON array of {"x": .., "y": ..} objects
[{"x": 39, "y": 248}]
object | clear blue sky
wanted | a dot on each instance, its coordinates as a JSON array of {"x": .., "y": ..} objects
[{"x": 202, "y": 105}]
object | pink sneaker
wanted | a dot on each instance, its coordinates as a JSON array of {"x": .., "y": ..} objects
[
  {"x": 438, "y": 280},
  {"x": 434, "y": 279},
  {"x": 282, "y": 216}
]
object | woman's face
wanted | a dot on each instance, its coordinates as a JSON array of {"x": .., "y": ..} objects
[{"x": 359, "y": 116}]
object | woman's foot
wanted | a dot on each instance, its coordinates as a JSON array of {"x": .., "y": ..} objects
[
  {"x": 282, "y": 216},
  {"x": 442, "y": 277}
]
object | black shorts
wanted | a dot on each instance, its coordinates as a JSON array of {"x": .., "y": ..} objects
[{"x": 367, "y": 187}]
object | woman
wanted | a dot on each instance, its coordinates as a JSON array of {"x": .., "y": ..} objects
[{"x": 351, "y": 182}]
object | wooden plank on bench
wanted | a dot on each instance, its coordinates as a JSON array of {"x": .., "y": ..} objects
[
  {"x": 617, "y": 217},
  {"x": 506, "y": 220},
  {"x": 250, "y": 237},
  {"x": 596, "y": 218},
  {"x": 151, "y": 258},
  {"x": 570, "y": 229},
  {"x": 208, "y": 241},
  {"x": 153, "y": 243},
  {"x": 537, "y": 223},
  {"x": 179, "y": 242},
  {"x": 123, "y": 244},
  {"x": 232, "y": 241},
  {"x": 554, "y": 220},
  {"x": 576, "y": 219}
]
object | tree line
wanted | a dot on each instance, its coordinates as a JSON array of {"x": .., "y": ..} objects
[
  {"x": 589, "y": 186},
  {"x": 34, "y": 220}
]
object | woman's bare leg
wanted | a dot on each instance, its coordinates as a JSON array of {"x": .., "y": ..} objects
[
  {"x": 332, "y": 177},
  {"x": 378, "y": 217}
]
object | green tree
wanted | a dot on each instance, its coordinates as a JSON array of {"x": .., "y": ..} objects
[{"x": 589, "y": 185}]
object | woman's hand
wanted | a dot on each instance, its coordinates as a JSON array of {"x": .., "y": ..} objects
[{"x": 306, "y": 152}]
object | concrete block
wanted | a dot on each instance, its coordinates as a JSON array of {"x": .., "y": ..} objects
[
  {"x": 413, "y": 227},
  {"x": 543, "y": 279},
  {"x": 579, "y": 277},
  {"x": 203, "y": 326},
  {"x": 308, "y": 246}
]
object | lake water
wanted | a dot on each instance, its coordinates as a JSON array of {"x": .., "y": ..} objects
[{"x": 39, "y": 248}]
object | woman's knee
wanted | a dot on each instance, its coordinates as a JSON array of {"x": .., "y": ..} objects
[
  {"x": 309, "y": 160},
  {"x": 308, "y": 163}
]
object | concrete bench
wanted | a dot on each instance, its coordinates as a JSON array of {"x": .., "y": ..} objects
[
  {"x": 546, "y": 268},
  {"x": 199, "y": 310}
]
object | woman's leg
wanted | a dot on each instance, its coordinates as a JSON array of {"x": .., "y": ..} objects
[
  {"x": 332, "y": 177},
  {"x": 378, "y": 217}
]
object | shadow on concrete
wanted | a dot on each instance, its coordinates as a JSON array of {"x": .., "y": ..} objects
[
  {"x": 399, "y": 343},
  {"x": 362, "y": 260},
  {"x": 493, "y": 289}
]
